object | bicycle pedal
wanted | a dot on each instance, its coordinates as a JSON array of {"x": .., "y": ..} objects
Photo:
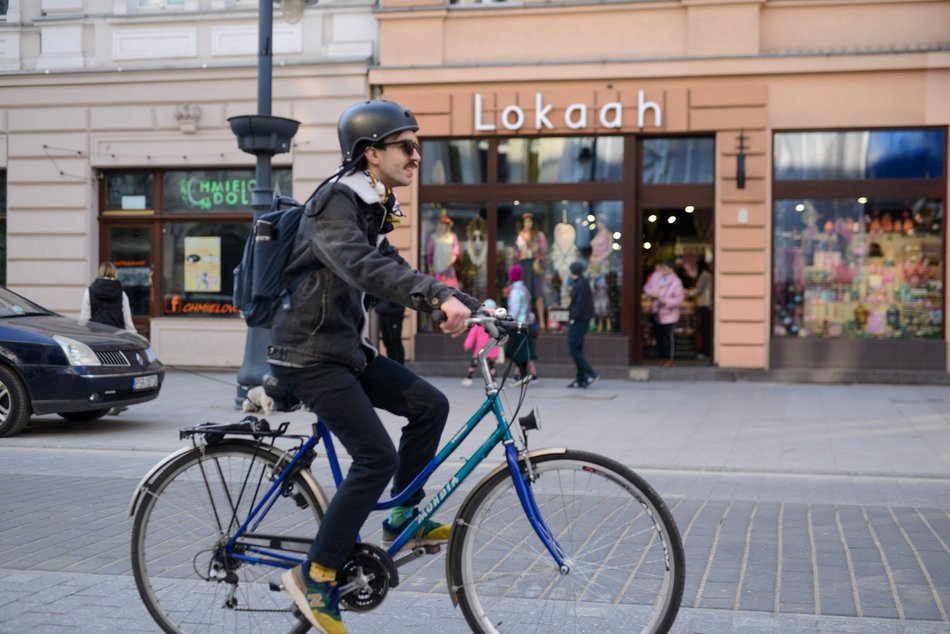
[{"x": 275, "y": 587}]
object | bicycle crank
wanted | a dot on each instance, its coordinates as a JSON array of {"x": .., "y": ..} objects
[{"x": 366, "y": 577}]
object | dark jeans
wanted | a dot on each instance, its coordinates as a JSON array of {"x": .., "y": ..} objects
[
  {"x": 576, "y": 331},
  {"x": 345, "y": 400},
  {"x": 391, "y": 328},
  {"x": 665, "y": 342},
  {"x": 705, "y": 329}
]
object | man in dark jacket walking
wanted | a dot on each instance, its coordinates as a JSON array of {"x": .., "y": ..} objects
[
  {"x": 323, "y": 354},
  {"x": 580, "y": 312}
]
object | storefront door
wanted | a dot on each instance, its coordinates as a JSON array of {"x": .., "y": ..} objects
[{"x": 130, "y": 248}]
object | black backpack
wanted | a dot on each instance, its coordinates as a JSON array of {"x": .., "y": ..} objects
[{"x": 259, "y": 289}]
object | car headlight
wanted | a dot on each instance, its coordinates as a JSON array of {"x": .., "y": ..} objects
[
  {"x": 77, "y": 353},
  {"x": 150, "y": 355}
]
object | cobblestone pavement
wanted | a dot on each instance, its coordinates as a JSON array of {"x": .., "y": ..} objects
[{"x": 834, "y": 521}]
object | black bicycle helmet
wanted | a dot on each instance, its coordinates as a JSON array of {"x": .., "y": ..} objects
[{"x": 370, "y": 122}]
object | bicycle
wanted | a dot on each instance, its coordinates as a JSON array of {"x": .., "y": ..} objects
[{"x": 550, "y": 540}]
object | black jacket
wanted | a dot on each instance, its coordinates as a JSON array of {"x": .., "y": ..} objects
[
  {"x": 105, "y": 302},
  {"x": 343, "y": 229},
  {"x": 582, "y": 300}
]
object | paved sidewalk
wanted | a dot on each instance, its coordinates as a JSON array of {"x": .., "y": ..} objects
[{"x": 804, "y": 508}]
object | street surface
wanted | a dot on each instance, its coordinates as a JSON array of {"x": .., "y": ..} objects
[{"x": 803, "y": 508}]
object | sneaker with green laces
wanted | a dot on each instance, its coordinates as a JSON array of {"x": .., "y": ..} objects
[
  {"x": 429, "y": 534},
  {"x": 318, "y": 601}
]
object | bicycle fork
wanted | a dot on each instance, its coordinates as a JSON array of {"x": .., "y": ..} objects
[{"x": 530, "y": 506}]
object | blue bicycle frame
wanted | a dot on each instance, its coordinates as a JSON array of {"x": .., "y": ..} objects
[{"x": 501, "y": 434}]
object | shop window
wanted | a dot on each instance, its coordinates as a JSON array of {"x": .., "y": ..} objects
[
  {"x": 859, "y": 230},
  {"x": 4, "y": 7},
  {"x": 859, "y": 155},
  {"x": 130, "y": 191},
  {"x": 198, "y": 221},
  {"x": 675, "y": 161},
  {"x": 454, "y": 161},
  {"x": 216, "y": 190},
  {"x": 455, "y": 248},
  {"x": 197, "y": 264},
  {"x": 560, "y": 160},
  {"x": 544, "y": 238},
  {"x": 858, "y": 267}
]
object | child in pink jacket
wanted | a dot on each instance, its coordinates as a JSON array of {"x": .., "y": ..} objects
[{"x": 475, "y": 341}]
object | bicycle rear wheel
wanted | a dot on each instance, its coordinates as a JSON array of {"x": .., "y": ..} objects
[
  {"x": 189, "y": 511},
  {"x": 626, "y": 554}
]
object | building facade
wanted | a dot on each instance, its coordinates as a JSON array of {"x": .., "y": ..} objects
[
  {"x": 798, "y": 148},
  {"x": 115, "y": 144}
]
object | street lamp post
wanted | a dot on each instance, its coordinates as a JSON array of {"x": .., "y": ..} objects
[{"x": 262, "y": 135}]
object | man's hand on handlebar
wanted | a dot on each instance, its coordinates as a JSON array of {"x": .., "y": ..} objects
[{"x": 455, "y": 313}]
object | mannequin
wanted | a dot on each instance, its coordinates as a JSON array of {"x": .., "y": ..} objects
[
  {"x": 442, "y": 251},
  {"x": 532, "y": 249},
  {"x": 476, "y": 246},
  {"x": 563, "y": 253},
  {"x": 600, "y": 248}
]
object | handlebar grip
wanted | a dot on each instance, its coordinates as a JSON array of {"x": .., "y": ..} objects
[{"x": 438, "y": 315}]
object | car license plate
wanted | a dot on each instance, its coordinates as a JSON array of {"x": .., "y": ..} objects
[{"x": 144, "y": 382}]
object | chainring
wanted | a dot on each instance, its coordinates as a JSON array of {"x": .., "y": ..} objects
[{"x": 376, "y": 573}]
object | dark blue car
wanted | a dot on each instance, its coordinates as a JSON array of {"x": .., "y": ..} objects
[{"x": 53, "y": 364}]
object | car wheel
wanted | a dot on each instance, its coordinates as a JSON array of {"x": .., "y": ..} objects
[
  {"x": 15, "y": 408},
  {"x": 93, "y": 414}
]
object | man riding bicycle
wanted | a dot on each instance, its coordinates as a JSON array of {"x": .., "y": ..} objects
[{"x": 321, "y": 350}]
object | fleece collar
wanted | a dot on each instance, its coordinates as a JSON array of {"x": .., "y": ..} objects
[{"x": 360, "y": 184}]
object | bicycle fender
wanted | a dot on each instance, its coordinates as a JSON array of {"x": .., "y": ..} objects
[
  {"x": 548, "y": 451},
  {"x": 145, "y": 481}
]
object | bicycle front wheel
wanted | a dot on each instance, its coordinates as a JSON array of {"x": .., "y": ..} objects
[
  {"x": 186, "y": 577},
  {"x": 623, "y": 547}
]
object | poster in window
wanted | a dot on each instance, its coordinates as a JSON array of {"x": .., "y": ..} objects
[{"x": 202, "y": 264}]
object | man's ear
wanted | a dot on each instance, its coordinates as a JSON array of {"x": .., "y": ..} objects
[{"x": 372, "y": 155}]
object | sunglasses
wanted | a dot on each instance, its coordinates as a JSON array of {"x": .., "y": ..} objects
[{"x": 408, "y": 146}]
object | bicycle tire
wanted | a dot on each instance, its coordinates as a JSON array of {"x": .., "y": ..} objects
[
  {"x": 178, "y": 527},
  {"x": 628, "y": 566}
]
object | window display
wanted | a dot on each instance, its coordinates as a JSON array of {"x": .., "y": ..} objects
[
  {"x": 588, "y": 231},
  {"x": 455, "y": 249},
  {"x": 198, "y": 261},
  {"x": 858, "y": 268}
]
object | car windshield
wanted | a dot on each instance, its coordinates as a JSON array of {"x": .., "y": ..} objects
[{"x": 12, "y": 305}]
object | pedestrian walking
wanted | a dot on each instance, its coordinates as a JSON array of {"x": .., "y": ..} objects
[
  {"x": 520, "y": 347},
  {"x": 580, "y": 312}
]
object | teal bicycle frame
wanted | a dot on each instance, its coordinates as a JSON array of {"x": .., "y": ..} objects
[{"x": 501, "y": 435}]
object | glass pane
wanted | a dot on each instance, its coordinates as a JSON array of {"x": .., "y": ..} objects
[
  {"x": 545, "y": 237},
  {"x": 678, "y": 160},
  {"x": 455, "y": 248},
  {"x": 129, "y": 192},
  {"x": 859, "y": 155},
  {"x": 858, "y": 268},
  {"x": 217, "y": 190},
  {"x": 130, "y": 249},
  {"x": 198, "y": 261},
  {"x": 560, "y": 160},
  {"x": 454, "y": 162}
]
